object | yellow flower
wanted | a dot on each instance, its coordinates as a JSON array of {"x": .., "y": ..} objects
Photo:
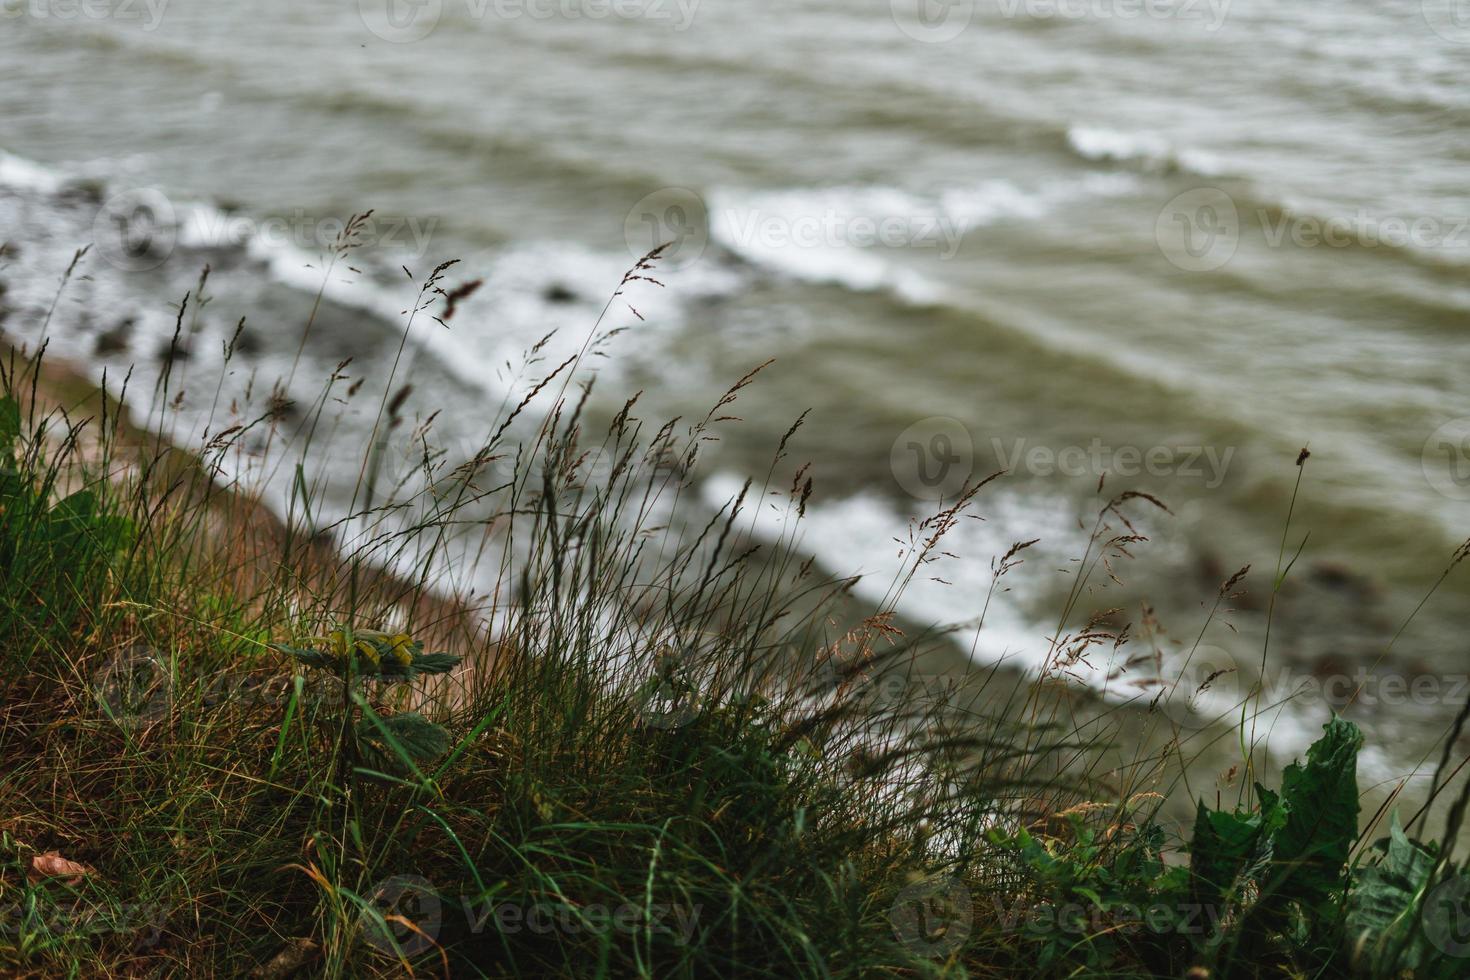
[
  {"x": 340, "y": 644},
  {"x": 371, "y": 645},
  {"x": 369, "y": 651},
  {"x": 335, "y": 644},
  {"x": 402, "y": 646}
]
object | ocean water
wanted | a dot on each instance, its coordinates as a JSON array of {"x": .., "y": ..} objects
[{"x": 1165, "y": 243}]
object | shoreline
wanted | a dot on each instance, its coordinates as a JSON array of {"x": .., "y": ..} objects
[
  {"x": 256, "y": 530},
  {"x": 450, "y": 621}
]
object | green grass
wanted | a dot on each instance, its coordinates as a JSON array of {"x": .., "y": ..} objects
[{"x": 663, "y": 747}]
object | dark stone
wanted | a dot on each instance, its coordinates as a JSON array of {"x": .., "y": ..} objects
[
  {"x": 169, "y": 352},
  {"x": 1339, "y": 578},
  {"x": 115, "y": 341}
]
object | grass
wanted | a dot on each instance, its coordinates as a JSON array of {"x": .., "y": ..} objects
[{"x": 536, "y": 712}]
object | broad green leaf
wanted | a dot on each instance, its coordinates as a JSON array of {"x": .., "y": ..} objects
[
  {"x": 1232, "y": 847},
  {"x": 1387, "y": 911},
  {"x": 409, "y": 733},
  {"x": 1321, "y": 803}
]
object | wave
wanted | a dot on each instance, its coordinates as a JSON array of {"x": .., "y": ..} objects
[
  {"x": 1429, "y": 243},
  {"x": 443, "y": 130},
  {"x": 19, "y": 174},
  {"x": 1150, "y": 151},
  {"x": 831, "y": 236},
  {"x": 539, "y": 287},
  {"x": 854, "y": 536},
  {"x": 839, "y": 235},
  {"x": 1432, "y": 243},
  {"x": 559, "y": 288},
  {"x": 857, "y": 535}
]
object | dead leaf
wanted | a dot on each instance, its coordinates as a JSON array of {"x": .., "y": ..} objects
[
  {"x": 53, "y": 865},
  {"x": 292, "y": 957}
]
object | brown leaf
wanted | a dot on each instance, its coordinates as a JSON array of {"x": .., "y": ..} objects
[
  {"x": 292, "y": 957},
  {"x": 53, "y": 865}
]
